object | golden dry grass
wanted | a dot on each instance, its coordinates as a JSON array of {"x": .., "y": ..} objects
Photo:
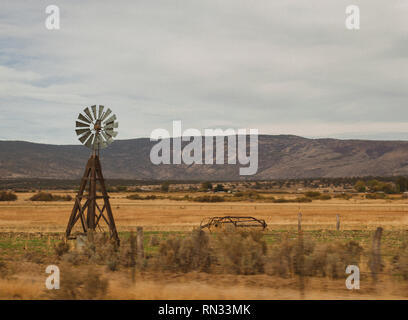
[{"x": 24, "y": 215}]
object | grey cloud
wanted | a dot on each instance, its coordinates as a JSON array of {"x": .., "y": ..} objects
[{"x": 254, "y": 64}]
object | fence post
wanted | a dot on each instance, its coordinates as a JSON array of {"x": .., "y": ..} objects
[
  {"x": 375, "y": 261},
  {"x": 337, "y": 222},
  {"x": 300, "y": 264},
  {"x": 299, "y": 221},
  {"x": 133, "y": 252},
  {"x": 139, "y": 241}
]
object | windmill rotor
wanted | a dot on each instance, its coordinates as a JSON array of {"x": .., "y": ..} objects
[{"x": 95, "y": 127}]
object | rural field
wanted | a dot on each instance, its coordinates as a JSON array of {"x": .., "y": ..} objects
[{"x": 179, "y": 263}]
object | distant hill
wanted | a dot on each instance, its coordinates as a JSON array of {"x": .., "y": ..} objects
[{"x": 280, "y": 156}]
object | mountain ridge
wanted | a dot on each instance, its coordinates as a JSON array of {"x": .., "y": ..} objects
[{"x": 280, "y": 156}]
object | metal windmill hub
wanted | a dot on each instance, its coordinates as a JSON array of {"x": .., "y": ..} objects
[{"x": 95, "y": 127}]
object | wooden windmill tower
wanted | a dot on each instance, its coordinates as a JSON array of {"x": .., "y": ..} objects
[{"x": 95, "y": 129}]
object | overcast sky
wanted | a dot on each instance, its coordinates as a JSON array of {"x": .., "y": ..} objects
[{"x": 283, "y": 67}]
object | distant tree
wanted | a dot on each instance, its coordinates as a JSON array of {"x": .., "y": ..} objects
[
  {"x": 402, "y": 184},
  {"x": 121, "y": 188},
  {"x": 206, "y": 186},
  {"x": 219, "y": 187},
  {"x": 7, "y": 196},
  {"x": 165, "y": 186},
  {"x": 360, "y": 186}
]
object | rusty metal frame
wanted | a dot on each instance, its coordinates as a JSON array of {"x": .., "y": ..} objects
[{"x": 236, "y": 221}]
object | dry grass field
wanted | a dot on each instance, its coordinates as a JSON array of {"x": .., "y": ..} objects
[
  {"x": 30, "y": 230},
  {"x": 168, "y": 215}
]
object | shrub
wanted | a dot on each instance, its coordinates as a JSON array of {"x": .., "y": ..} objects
[
  {"x": 324, "y": 197},
  {"x": 305, "y": 257},
  {"x": 312, "y": 194},
  {"x": 134, "y": 196},
  {"x": 45, "y": 196},
  {"x": 165, "y": 186},
  {"x": 241, "y": 252},
  {"x": 77, "y": 285},
  {"x": 375, "y": 196},
  {"x": 61, "y": 248},
  {"x": 205, "y": 186},
  {"x": 360, "y": 186},
  {"x": 300, "y": 199},
  {"x": 219, "y": 188},
  {"x": 400, "y": 262},
  {"x": 281, "y": 200},
  {"x": 7, "y": 196},
  {"x": 209, "y": 199},
  {"x": 344, "y": 196},
  {"x": 154, "y": 241},
  {"x": 190, "y": 253}
]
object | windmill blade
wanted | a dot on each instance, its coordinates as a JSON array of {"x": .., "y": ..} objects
[
  {"x": 81, "y": 131},
  {"x": 112, "y": 125},
  {"x": 84, "y": 119},
  {"x": 100, "y": 112},
  {"x": 111, "y": 119},
  {"x": 88, "y": 113},
  {"x": 106, "y": 114},
  {"x": 94, "y": 112},
  {"x": 85, "y": 136},
  {"x": 81, "y": 125},
  {"x": 89, "y": 142},
  {"x": 111, "y": 132},
  {"x": 107, "y": 137}
]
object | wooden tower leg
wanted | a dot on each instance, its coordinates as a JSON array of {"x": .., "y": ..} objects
[
  {"x": 92, "y": 175},
  {"x": 78, "y": 210},
  {"x": 107, "y": 206}
]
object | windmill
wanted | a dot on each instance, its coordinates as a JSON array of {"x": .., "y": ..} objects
[{"x": 95, "y": 129}]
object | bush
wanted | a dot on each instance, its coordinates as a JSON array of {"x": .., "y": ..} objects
[
  {"x": 360, "y": 186},
  {"x": 188, "y": 254},
  {"x": 165, "y": 186},
  {"x": 344, "y": 196},
  {"x": 209, "y": 199},
  {"x": 305, "y": 257},
  {"x": 77, "y": 285},
  {"x": 312, "y": 194},
  {"x": 324, "y": 197},
  {"x": 45, "y": 196},
  {"x": 241, "y": 252},
  {"x": 135, "y": 196},
  {"x": 61, "y": 248},
  {"x": 205, "y": 186},
  {"x": 219, "y": 188},
  {"x": 299, "y": 199},
  {"x": 7, "y": 196},
  {"x": 400, "y": 262},
  {"x": 375, "y": 196}
]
